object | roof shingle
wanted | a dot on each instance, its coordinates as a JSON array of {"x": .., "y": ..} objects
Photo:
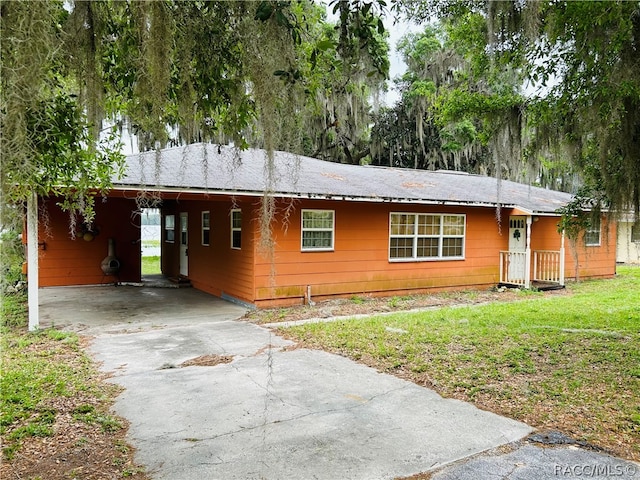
[{"x": 214, "y": 169}]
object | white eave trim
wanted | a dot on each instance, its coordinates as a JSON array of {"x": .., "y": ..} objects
[{"x": 326, "y": 196}]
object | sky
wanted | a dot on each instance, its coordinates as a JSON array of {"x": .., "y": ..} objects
[{"x": 397, "y": 67}]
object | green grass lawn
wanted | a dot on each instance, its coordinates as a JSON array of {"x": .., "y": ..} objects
[
  {"x": 570, "y": 362},
  {"x": 51, "y": 391},
  {"x": 151, "y": 265}
]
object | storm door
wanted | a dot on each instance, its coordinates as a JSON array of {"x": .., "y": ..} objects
[{"x": 517, "y": 247}]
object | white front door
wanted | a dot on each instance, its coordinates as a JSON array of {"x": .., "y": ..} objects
[
  {"x": 517, "y": 248},
  {"x": 184, "y": 244}
]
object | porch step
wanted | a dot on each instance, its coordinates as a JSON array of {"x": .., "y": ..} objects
[
  {"x": 546, "y": 286},
  {"x": 542, "y": 286},
  {"x": 180, "y": 281},
  {"x": 160, "y": 281}
]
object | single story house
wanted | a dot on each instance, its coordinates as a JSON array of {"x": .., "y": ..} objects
[{"x": 332, "y": 230}]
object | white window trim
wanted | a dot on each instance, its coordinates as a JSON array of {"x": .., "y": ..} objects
[
  {"x": 167, "y": 229},
  {"x": 205, "y": 229},
  {"x": 592, "y": 229},
  {"x": 303, "y": 229},
  {"x": 441, "y": 236},
  {"x": 236, "y": 229}
]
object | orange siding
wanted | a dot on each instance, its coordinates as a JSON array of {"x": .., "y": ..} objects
[
  {"x": 360, "y": 263},
  {"x": 65, "y": 261},
  {"x": 592, "y": 261},
  {"x": 217, "y": 268},
  {"x": 544, "y": 234}
]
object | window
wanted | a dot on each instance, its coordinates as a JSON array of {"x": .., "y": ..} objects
[
  {"x": 184, "y": 230},
  {"x": 206, "y": 227},
  {"x": 169, "y": 228},
  {"x": 635, "y": 233},
  {"x": 236, "y": 228},
  {"x": 417, "y": 236},
  {"x": 592, "y": 234},
  {"x": 317, "y": 230}
]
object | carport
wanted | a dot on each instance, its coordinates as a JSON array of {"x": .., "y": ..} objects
[{"x": 107, "y": 309}]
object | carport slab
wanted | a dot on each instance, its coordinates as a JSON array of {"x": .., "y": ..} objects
[
  {"x": 274, "y": 413},
  {"x": 103, "y": 309}
]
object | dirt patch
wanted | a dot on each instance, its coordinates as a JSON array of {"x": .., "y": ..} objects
[
  {"x": 88, "y": 442},
  {"x": 76, "y": 450},
  {"x": 368, "y": 305},
  {"x": 207, "y": 361}
]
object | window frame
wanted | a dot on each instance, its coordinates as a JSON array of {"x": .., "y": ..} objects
[
  {"x": 235, "y": 229},
  {"x": 304, "y": 229},
  {"x": 440, "y": 236},
  {"x": 591, "y": 230},
  {"x": 206, "y": 228},
  {"x": 171, "y": 228}
]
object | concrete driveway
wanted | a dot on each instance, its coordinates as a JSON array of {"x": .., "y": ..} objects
[{"x": 273, "y": 411}]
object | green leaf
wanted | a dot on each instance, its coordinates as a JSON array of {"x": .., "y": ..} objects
[
  {"x": 282, "y": 19},
  {"x": 264, "y": 11},
  {"x": 325, "y": 45},
  {"x": 313, "y": 58}
]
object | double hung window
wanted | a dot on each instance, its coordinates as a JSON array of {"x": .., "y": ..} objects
[
  {"x": 318, "y": 230},
  {"x": 206, "y": 228},
  {"x": 169, "y": 228},
  {"x": 592, "y": 234},
  {"x": 236, "y": 229},
  {"x": 426, "y": 236}
]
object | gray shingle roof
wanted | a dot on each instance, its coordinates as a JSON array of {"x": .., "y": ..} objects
[{"x": 214, "y": 169}]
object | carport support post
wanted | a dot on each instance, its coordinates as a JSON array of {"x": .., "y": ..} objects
[
  {"x": 32, "y": 261},
  {"x": 562, "y": 259},
  {"x": 527, "y": 264}
]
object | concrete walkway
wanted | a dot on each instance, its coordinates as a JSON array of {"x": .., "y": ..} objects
[{"x": 274, "y": 411}]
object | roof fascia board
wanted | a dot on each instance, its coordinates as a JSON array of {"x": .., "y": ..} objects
[
  {"x": 522, "y": 211},
  {"x": 311, "y": 196}
]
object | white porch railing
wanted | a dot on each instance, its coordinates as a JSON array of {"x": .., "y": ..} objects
[
  {"x": 513, "y": 268},
  {"x": 548, "y": 266}
]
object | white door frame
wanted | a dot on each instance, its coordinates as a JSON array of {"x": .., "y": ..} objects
[
  {"x": 184, "y": 243},
  {"x": 519, "y": 233}
]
